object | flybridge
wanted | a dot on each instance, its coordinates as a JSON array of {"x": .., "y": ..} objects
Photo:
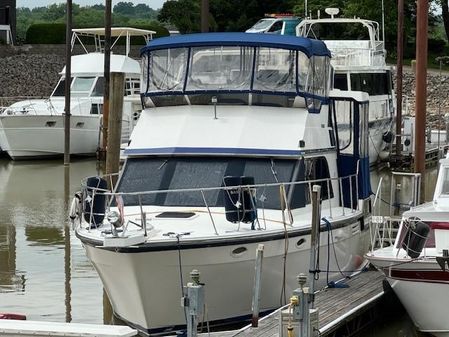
[
  {"x": 235, "y": 65},
  {"x": 117, "y": 33}
]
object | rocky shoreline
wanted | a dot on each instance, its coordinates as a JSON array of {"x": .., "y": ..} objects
[{"x": 33, "y": 71}]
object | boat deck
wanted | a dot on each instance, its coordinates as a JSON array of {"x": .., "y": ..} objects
[{"x": 336, "y": 307}]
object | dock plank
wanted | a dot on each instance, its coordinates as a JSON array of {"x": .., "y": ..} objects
[{"x": 335, "y": 305}]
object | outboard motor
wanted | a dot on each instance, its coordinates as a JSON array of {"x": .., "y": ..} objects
[
  {"x": 95, "y": 200},
  {"x": 240, "y": 204},
  {"x": 415, "y": 238}
]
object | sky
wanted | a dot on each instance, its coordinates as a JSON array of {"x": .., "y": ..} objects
[{"x": 155, "y": 4}]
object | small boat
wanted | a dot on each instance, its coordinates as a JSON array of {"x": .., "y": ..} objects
[
  {"x": 416, "y": 266},
  {"x": 35, "y": 128},
  {"x": 359, "y": 62},
  {"x": 236, "y": 130}
]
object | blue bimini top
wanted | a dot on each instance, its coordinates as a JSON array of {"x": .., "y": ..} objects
[{"x": 307, "y": 46}]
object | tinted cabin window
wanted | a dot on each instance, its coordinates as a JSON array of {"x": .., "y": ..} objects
[
  {"x": 99, "y": 87},
  {"x": 276, "y": 28},
  {"x": 317, "y": 168},
  {"x": 152, "y": 174},
  {"x": 341, "y": 82},
  {"x": 60, "y": 89},
  {"x": 372, "y": 83}
]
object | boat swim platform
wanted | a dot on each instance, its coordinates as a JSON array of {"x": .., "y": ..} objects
[{"x": 339, "y": 308}]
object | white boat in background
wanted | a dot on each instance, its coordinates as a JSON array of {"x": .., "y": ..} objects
[
  {"x": 359, "y": 62},
  {"x": 35, "y": 128},
  {"x": 237, "y": 129},
  {"x": 416, "y": 266}
]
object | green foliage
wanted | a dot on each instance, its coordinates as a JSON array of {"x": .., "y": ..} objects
[
  {"x": 124, "y": 14},
  {"x": 46, "y": 33},
  {"x": 226, "y": 15}
]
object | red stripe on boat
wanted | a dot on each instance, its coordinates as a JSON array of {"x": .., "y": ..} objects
[
  {"x": 436, "y": 276},
  {"x": 19, "y": 317}
]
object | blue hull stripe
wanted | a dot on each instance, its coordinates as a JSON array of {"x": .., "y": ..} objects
[{"x": 212, "y": 150}]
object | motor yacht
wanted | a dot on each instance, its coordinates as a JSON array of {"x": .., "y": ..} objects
[
  {"x": 35, "y": 128},
  {"x": 237, "y": 129},
  {"x": 359, "y": 63}
]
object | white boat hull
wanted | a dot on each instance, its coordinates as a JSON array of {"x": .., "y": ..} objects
[
  {"x": 145, "y": 287},
  {"x": 421, "y": 286},
  {"x": 30, "y": 136}
]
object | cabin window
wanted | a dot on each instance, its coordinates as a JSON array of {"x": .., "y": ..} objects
[
  {"x": 275, "y": 70},
  {"x": 372, "y": 83},
  {"x": 318, "y": 82},
  {"x": 96, "y": 109},
  {"x": 345, "y": 129},
  {"x": 60, "y": 88},
  {"x": 316, "y": 168},
  {"x": 262, "y": 24},
  {"x": 341, "y": 82},
  {"x": 81, "y": 86},
  {"x": 167, "y": 69},
  {"x": 152, "y": 174},
  {"x": 276, "y": 28},
  {"x": 132, "y": 86},
  {"x": 445, "y": 184},
  {"x": 220, "y": 68},
  {"x": 99, "y": 87}
]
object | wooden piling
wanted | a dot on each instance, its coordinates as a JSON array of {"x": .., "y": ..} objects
[
  {"x": 107, "y": 69},
  {"x": 68, "y": 76},
  {"x": 204, "y": 16},
  {"x": 399, "y": 64},
  {"x": 115, "y": 123},
  {"x": 421, "y": 88}
]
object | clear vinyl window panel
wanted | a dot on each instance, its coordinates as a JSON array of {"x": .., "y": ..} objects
[
  {"x": 275, "y": 70},
  {"x": 167, "y": 69},
  {"x": 220, "y": 68}
]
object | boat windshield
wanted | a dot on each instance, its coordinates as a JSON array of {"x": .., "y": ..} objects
[
  {"x": 329, "y": 31},
  {"x": 262, "y": 24},
  {"x": 81, "y": 86},
  {"x": 152, "y": 174},
  {"x": 237, "y": 73}
]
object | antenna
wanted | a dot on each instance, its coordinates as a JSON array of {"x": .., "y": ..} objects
[
  {"x": 332, "y": 11},
  {"x": 305, "y": 8},
  {"x": 383, "y": 23}
]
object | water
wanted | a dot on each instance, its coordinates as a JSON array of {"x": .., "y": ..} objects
[{"x": 44, "y": 272}]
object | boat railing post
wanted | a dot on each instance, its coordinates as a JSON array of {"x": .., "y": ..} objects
[
  {"x": 143, "y": 216},
  {"x": 329, "y": 198},
  {"x": 340, "y": 183},
  {"x": 193, "y": 302},
  {"x": 350, "y": 194},
  {"x": 257, "y": 285},
  {"x": 208, "y": 211},
  {"x": 314, "y": 237}
]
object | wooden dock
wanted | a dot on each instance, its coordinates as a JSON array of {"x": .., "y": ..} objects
[{"x": 339, "y": 308}]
